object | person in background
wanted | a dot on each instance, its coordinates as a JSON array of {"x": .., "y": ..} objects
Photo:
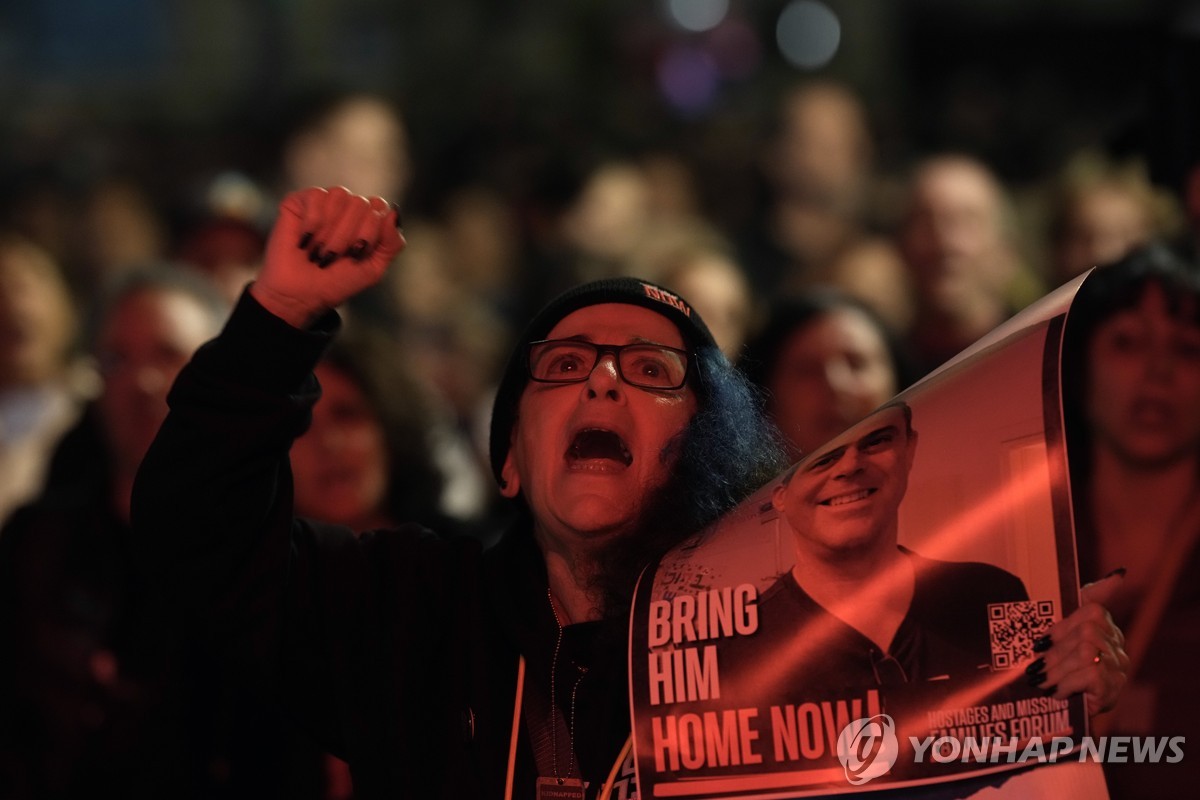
[
  {"x": 698, "y": 263},
  {"x": 42, "y": 387},
  {"x": 456, "y": 342},
  {"x": 1131, "y": 383},
  {"x": 958, "y": 241},
  {"x": 122, "y": 227},
  {"x": 356, "y": 139},
  {"x": 824, "y": 361},
  {"x": 1102, "y": 210},
  {"x": 338, "y": 136},
  {"x": 820, "y": 222},
  {"x": 225, "y": 248},
  {"x": 607, "y": 220},
  {"x": 102, "y": 693},
  {"x": 365, "y": 460}
]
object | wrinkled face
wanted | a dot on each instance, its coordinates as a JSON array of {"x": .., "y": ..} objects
[
  {"x": 1143, "y": 394},
  {"x": 953, "y": 237},
  {"x": 586, "y": 456},
  {"x": 845, "y": 500},
  {"x": 340, "y": 464},
  {"x": 830, "y": 373},
  {"x": 144, "y": 343}
]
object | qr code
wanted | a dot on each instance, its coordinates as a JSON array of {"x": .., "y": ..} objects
[{"x": 1014, "y": 626}]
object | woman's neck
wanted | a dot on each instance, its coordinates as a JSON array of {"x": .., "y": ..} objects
[
  {"x": 571, "y": 575},
  {"x": 1140, "y": 497},
  {"x": 1135, "y": 510}
]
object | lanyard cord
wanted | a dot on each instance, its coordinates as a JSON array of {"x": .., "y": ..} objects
[
  {"x": 516, "y": 729},
  {"x": 553, "y": 698},
  {"x": 605, "y": 791}
]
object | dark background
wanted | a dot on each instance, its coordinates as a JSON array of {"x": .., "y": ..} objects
[{"x": 173, "y": 91}]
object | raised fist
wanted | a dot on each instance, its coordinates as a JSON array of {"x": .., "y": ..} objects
[{"x": 326, "y": 246}]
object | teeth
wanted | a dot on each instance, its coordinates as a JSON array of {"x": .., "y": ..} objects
[
  {"x": 593, "y": 466},
  {"x": 852, "y": 497},
  {"x": 599, "y": 444}
]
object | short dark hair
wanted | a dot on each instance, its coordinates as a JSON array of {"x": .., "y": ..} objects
[
  {"x": 367, "y": 357},
  {"x": 1107, "y": 291},
  {"x": 904, "y": 407},
  {"x": 792, "y": 313}
]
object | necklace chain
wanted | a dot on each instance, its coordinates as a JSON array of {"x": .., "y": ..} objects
[{"x": 553, "y": 710}]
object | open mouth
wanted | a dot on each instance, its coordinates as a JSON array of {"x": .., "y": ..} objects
[
  {"x": 849, "y": 497},
  {"x": 598, "y": 446}
]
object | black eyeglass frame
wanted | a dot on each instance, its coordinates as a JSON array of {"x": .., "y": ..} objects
[{"x": 689, "y": 362}]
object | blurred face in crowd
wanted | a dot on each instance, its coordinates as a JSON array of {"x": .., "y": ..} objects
[
  {"x": 340, "y": 464},
  {"x": 824, "y": 147},
  {"x": 845, "y": 500},
  {"x": 229, "y": 251},
  {"x": 1143, "y": 397},
  {"x": 716, "y": 287},
  {"x": 830, "y": 373},
  {"x": 610, "y": 214},
  {"x": 362, "y": 145},
  {"x": 122, "y": 227},
  {"x": 953, "y": 237},
  {"x": 1103, "y": 225},
  {"x": 145, "y": 341},
  {"x": 586, "y": 456},
  {"x": 36, "y": 323}
]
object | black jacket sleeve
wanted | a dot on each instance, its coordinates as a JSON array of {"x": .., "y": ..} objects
[
  {"x": 365, "y": 637},
  {"x": 212, "y": 504}
]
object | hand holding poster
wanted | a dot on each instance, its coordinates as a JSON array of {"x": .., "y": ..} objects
[{"x": 874, "y": 615}]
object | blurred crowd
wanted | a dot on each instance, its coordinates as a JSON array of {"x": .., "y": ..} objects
[{"x": 842, "y": 287}]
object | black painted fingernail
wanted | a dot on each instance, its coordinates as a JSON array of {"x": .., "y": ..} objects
[
  {"x": 1036, "y": 666},
  {"x": 1042, "y": 643},
  {"x": 1037, "y": 678},
  {"x": 357, "y": 250},
  {"x": 1118, "y": 571},
  {"x": 314, "y": 254},
  {"x": 399, "y": 218},
  {"x": 1049, "y": 690},
  {"x": 305, "y": 240},
  {"x": 327, "y": 259}
]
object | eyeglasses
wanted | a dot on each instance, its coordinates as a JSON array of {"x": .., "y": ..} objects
[{"x": 647, "y": 366}]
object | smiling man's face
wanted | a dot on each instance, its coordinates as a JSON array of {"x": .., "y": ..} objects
[
  {"x": 845, "y": 499},
  {"x": 586, "y": 456}
]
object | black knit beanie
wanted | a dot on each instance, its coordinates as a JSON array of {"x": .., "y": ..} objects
[{"x": 631, "y": 291}]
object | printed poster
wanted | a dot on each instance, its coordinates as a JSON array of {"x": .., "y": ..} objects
[{"x": 864, "y": 621}]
